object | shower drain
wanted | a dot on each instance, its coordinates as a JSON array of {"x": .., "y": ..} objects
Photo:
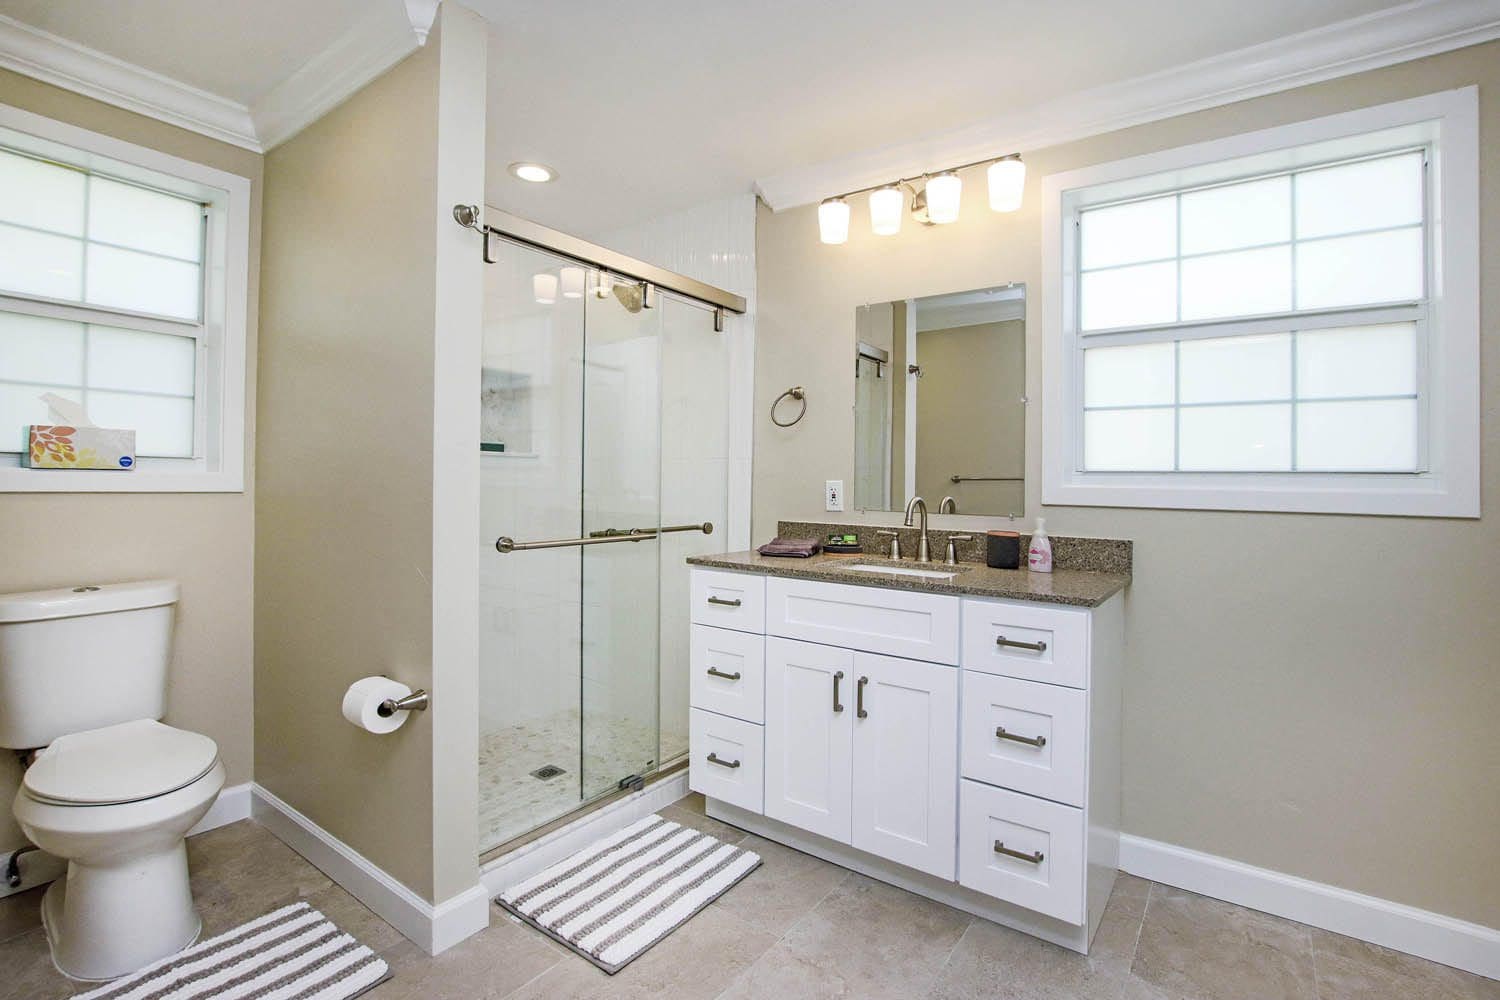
[{"x": 550, "y": 771}]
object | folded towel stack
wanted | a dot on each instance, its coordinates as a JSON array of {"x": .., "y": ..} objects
[{"x": 801, "y": 548}]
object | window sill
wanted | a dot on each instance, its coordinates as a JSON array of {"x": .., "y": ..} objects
[
  {"x": 17, "y": 480},
  {"x": 1390, "y": 496}
]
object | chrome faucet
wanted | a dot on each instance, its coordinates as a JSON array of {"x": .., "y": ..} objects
[
  {"x": 924, "y": 554},
  {"x": 948, "y": 506}
]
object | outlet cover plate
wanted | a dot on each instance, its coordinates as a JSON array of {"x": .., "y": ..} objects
[{"x": 833, "y": 494}]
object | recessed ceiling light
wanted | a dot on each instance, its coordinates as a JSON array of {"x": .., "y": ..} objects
[{"x": 536, "y": 173}]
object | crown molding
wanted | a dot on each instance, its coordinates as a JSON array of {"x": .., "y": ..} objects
[
  {"x": 373, "y": 45},
  {"x": 1384, "y": 38}
]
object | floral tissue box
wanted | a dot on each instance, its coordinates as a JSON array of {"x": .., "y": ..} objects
[{"x": 58, "y": 446}]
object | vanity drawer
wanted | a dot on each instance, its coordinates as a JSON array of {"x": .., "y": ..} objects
[
  {"x": 729, "y": 672},
  {"x": 729, "y": 600},
  {"x": 1042, "y": 866},
  {"x": 1034, "y": 643},
  {"x": 1029, "y": 714},
  {"x": 893, "y": 622},
  {"x": 728, "y": 759}
]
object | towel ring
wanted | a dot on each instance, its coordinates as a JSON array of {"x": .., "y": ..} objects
[{"x": 795, "y": 392}]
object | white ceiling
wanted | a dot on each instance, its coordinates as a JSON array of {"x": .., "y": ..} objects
[{"x": 663, "y": 104}]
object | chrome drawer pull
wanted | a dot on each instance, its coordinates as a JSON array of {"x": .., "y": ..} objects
[
  {"x": 712, "y": 672},
  {"x": 859, "y": 698},
  {"x": 728, "y": 604},
  {"x": 1001, "y": 733},
  {"x": 836, "y": 678},
  {"x": 713, "y": 758},
  {"x": 1035, "y": 647},
  {"x": 1035, "y": 857}
]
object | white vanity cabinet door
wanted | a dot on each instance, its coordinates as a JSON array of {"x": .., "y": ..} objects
[
  {"x": 905, "y": 758},
  {"x": 729, "y": 600},
  {"x": 728, "y": 672},
  {"x": 809, "y": 710}
]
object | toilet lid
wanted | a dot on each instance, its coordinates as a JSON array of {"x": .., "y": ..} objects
[{"x": 123, "y": 763}]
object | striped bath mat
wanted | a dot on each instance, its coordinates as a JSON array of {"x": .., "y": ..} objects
[
  {"x": 613, "y": 900},
  {"x": 295, "y": 953}
]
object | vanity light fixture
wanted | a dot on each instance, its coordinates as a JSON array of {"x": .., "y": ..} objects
[
  {"x": 544, "y": 288},
  {"x": 935, "y": 202},
  {"x": 535, "y": 173},
  {"x": 833, "y": 220}
]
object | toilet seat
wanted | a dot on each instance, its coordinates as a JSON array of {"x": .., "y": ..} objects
[{"x": 119, "y": 764}]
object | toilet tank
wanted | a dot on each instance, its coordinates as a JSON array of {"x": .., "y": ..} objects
[{"x": 83, "y": 657}]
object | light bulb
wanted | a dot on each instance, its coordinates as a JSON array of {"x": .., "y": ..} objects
[
  {"x": 1007, "y": 182},
  {"x": 833, "y": 220},
  {"x": 942, "y": 197},
  {"x": 544, "y": 288},
  {"x": 572, "y": 282},
  {"x": 886, "y": 205}
]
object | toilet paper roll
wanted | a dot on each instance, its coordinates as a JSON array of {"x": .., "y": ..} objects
[{"x": 362, "y": 704}]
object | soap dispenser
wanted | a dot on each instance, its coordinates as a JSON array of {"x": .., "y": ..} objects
[{"x": 1039, "y": 555}]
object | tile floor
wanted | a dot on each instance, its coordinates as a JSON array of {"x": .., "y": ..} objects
[{"x": 799, "y": 927}]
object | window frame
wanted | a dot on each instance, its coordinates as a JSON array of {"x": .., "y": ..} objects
[
  {"x": 1447, "y": 483},
  {"x": 219, "y": 408}
]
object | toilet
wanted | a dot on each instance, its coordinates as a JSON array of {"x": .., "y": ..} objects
[{"x": 110, "y": 789}]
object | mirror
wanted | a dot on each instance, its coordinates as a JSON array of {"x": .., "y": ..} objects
[{"x": 940, "y": 402}]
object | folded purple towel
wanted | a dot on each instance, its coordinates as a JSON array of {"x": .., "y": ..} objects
[{"x": 801, "y": 548}]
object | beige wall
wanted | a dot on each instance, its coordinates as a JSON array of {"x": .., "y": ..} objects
[
  {"x": 1312, "y": 694},
  {"x": 205, "y": 541}
]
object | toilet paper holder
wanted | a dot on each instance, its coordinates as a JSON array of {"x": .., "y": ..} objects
[{"x": 417, "y": 701}]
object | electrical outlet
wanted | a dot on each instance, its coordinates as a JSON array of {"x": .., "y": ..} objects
[{"x": 834, "y": 494}]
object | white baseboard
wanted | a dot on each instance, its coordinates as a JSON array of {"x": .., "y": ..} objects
[
  {"x": 528, "y": 859},
  {"x": 1463, "y": 945},
  {"x": 232, "y": 805},
  {"x": 434, "y": 928}
]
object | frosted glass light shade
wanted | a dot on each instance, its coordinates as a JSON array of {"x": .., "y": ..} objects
[
  {"x": 943, "y": 193},
  {"x": 833, "y": 221},
  {"x": 1007, "y": 179},
  {"x": 572, "y": 282},
  {"x": 544, "y": 288},
  {"x": 886, "y": 207}
]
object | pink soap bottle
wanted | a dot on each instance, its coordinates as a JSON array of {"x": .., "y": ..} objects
[{"x": 1039, "y": 556}]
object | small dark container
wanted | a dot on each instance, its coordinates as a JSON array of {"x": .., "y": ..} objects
[{"x": 1002, "y": 549}]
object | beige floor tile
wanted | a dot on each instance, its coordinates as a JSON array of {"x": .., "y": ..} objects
[
  {"x": 866, "y": 940},
  {"x": 698, "y": 821},
  {"x": 1347, "y": 968},
  {"x": 1201, "y": 947},
  {"x": 21, "y": 913},
  {"x": 241, "y": 871},
  {"x": 695, "y": 962},
  {"x": 493, "y": 963},
  {"x": 355, "y": 919},
  {"x": 783, "y": 890},
  {"x": 996, "y": 963},
  {"x": 27, "y": 972},
  {"x": 693, "y": 802}
]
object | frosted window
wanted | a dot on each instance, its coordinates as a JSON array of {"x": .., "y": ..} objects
[
  {"x": 1237, "y": 284},
  {"x": 1236, "y": 438},
  {"x": 163, "y": 425},
  {"x": 40, "y": 264},
  {"x": 1128, "y": 440},
  {"x": 1358, "y": 361},
  {"x": 125, "y": 279},
  {"x": 1354, "y": 197},
  {"x": 144, "y": 362},
  {"x": 21, "y": 406},
  {"x": 1236, "y": 369},
  {"x": 41, "y": 195},
  {"x": 1237, "y": 215},
  {"x": 1360, "y": 270},
  {"x": 1136, "y": 375},
  {"x": 135, "y": 217},
  {"x": 33, "y": 349},
  {"x": 1129, "y": 296},
  {"x": 1357, "y": 436},
  {"x": 1129, "y": 233}
]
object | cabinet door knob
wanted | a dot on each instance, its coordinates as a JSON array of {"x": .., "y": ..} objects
[
  {"x": 713, "y": 758},
  {"x": 728, "y": 604},
  {"x": 713, "y": 672},
  {"x": 859, "y": 698},
  {"x": 1004, "y": 734},
  {"x": 1035, "y": 647},
  {"x": 1035, "y": 857},
  {"x": 836, "y": 678}
]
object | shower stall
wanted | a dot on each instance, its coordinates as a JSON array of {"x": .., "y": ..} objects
[{"x": 604, "y": 454}]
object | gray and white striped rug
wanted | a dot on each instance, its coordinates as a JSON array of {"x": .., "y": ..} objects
[
  {"x": 294, "y": 953},
  {"x": 616, "y": 898}
]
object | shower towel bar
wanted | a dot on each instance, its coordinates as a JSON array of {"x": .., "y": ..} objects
[{"x": 505, "y": 544}]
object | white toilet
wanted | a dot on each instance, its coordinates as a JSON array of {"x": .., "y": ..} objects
[{"x": 83, "y": 674}]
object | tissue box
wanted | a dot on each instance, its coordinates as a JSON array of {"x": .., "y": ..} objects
[{"x": 58, "y": 446}]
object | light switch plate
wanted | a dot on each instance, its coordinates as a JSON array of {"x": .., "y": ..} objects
[{"x": 834, "y": 495}]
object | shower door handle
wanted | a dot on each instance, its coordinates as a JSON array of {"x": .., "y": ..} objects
[{"x": 505, "y": 544}]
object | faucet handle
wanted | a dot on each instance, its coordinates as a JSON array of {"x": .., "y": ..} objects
[
  {"x": 951, "y": 556},
  {"x": 895, "y": 542}
]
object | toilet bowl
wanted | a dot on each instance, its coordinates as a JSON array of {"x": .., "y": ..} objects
[{"x": 116, "y": 803}]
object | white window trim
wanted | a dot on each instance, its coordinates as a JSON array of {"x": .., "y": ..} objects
[
  {"x": 226, "y": 290},
  {"x": 1449, "y": 487}
]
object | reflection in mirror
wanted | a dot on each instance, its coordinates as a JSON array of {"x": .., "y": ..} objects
[{"x": 939, "y": 402}]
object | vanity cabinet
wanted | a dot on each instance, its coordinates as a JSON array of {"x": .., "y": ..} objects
[{"x": 962, "y": 747}]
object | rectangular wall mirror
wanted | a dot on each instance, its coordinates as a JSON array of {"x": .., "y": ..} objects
[{"x": 940, "y": 402}]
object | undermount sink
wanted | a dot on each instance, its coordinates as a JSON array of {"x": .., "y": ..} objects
[{"x": 890, "y": 570}]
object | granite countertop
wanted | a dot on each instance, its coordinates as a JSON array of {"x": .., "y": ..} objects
[{"x": 1077, "y": 587}]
